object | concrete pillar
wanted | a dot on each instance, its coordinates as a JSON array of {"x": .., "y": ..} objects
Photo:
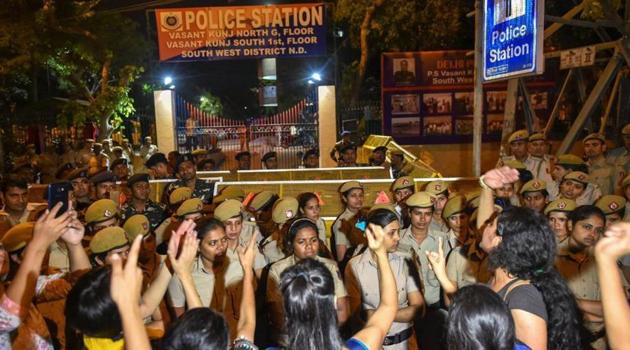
[
  {"x": 327, "y": 111},
  {"x": 165, "y": 124}
]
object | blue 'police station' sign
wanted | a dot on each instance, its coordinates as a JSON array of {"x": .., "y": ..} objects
[{"x": 513, "y": 37}]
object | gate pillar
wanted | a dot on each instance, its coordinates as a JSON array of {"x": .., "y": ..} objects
[
  {"x": 165, "y": 123},
  {"x": 327, "y": 124}
]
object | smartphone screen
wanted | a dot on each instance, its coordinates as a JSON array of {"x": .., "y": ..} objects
[{"x": 58, "y": 192}]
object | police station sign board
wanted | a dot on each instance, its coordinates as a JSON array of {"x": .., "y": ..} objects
[
  {"x": 512, "y": 38},
  {"x": 216, "y": 33}
]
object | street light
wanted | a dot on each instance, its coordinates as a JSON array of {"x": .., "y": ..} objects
[
  {"x": 316, "y": 77},
  {"x": 168, "y": 80}
]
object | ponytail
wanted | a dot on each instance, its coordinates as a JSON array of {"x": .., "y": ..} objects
[{"x": 564, "y": 317}]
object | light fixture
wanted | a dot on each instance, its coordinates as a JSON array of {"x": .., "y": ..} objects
[
  {"x": 316, "y": 77},
  {"x": 168, "y": 80}
]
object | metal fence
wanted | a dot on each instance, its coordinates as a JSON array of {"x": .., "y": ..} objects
[{"x": 289, "y": 133}]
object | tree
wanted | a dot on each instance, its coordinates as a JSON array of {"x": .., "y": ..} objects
[
  {"x": 377, "y": 26},
  {"x": 92, "y": 57},
  {"x": 94, "y": 64},
  {"x": 211, "y": 104}
]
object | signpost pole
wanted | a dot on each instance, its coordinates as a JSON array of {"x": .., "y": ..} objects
[{"x": 478, "y": 92}]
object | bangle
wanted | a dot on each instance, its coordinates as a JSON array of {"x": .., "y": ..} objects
[{"x": 483, "y": 184}]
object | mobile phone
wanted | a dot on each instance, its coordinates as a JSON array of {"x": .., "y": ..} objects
[
  {"x": 361, "y": 225},
  {"x": 58, "y": 192}
]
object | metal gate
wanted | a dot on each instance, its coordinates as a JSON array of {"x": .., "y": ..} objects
[{"x": 289, "y": 133}]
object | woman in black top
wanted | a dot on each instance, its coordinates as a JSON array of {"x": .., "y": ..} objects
[{"x": 522, "y": 250}]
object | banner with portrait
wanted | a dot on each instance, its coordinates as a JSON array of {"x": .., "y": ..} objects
[{"x": 427, "y": 97}]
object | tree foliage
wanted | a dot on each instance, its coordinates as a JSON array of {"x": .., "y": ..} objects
[
  {"x": 377, "y": 26},
  {"x": 93, "y": 57},
  {"x": 211, "y": 104}
]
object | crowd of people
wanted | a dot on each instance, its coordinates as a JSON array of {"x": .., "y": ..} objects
[{"x": 536, "y": 257}]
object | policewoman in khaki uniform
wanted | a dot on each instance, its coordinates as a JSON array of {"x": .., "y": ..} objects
[
  {"x": 573, "y": 186},
  {"x": 351, "y": 193},
  {"x": 363, "y": 284},
  {"x": 101, "y": 214},
  {"x": 557, "y": 212},
  {"x": 415, "y": 241},
  {"x": 273, "y": 246},
  {"x": 238, "y": 232},
  {"x": 576, "y": 263},
  {"x": 614, "y": 208},
  {"x": 402, "y": 188},
  {"x": 302, "y": 243},
  {"x": 260, "y": 207}
]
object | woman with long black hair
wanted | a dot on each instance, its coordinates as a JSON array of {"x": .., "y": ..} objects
[
  {"x": 522, "y": 251},
  {"x": 308, "y": 297}
]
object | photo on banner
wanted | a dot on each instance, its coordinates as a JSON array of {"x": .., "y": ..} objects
[{"x": 438, "y": 106}]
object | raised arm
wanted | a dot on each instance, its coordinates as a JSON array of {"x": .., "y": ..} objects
[
  {"x": 614, "y": 244},
  {"x": 155, "y": 293},
  {"x": 125, "y": 288},
  {"x": 182, "y": 265},
  {"x": 247, "y": 321},
  {"x": 437, "y": 262},
  {"x": 490, "y": 181},
  {"x": 72, "y": 237},
  {"x": 374, "y": 332},
  {"x": 47, "y": 229}
]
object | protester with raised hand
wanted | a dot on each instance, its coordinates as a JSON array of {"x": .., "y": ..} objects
[
  {"x": 16, "y": 302},
  {"x": 522, "y": 251},
  {"x": 125, "y": 289},
  {"x": 308, "y": 292},
  {"x": 614, "y": 244},
  {"x": 182, "y": 266}
]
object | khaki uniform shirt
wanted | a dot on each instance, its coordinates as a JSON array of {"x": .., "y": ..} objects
[
  {"x": 540, "y": 167},
  {"x": 58, "y": 257},
  {"x": 451, "y": 242},
  {"x": 620, "y": 158},
  {"x": 467, "y": 264},
  {"x": 362, "y": 280},
  {"x": 234, "y": 269},
  {"x": 340, "y": 237},
  {"x": 271, "y": 250},
  {"x": 604, "y": 175},
  {"x": 204, "y": 283},
  {"x": 273, "y": 292},
  {"x": 409, "y": 248},
  {"x": 438, "y": 226},
  {"x": 580, "y": 275}
]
